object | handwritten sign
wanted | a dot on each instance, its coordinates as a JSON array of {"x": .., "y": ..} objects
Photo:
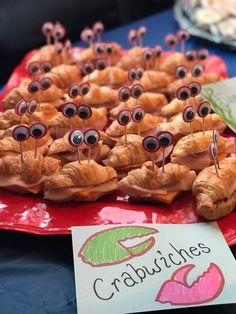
[
  {"x": 149, "y": 267},
  {"x": 222, "y": 97}
]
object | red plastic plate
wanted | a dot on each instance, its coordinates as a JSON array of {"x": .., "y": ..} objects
[{"x": 32, "y": 214}]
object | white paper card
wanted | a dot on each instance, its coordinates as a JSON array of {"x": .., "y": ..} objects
[
  {"x": 222, "y": 97},
  {"x": 138, "y": 268}
]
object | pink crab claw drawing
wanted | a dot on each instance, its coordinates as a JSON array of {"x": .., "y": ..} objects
[{"x": 205, "y": 288}]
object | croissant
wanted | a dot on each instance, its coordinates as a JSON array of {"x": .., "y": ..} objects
[
  {"x": 89, "y": 54},
  {"x": 9, "y": 146},
  {"x": 171, "y": 62},
  {"x": 64, "y": 75},
  {"x": 81, "y": 182},
  {"x": 133, "y": 57},
  {"x": 9, "y": 118},
  {"x": 124, "y": 158},
  {"x": 47, "y": 53},
  {"x": 146, "y": 126},
  {"x": 216, "y": 195},
  {"x": 150, "y": 102},
  {"x": 98, "y": 96},
  {"x": 46, "y": 111},
  {"x": 59, "y": 124},
  {"x": 155, "y": 81},
  {"x": 29, "y": 176},
  {"x": 64, "y": 151},
  {"x": 176, "y": 106},
  {"x": 112, "y": 76},
  {"x": 193, "y": 151},
  {"x": 152, "y": 184},
  {"x": 179, "y": 128}
]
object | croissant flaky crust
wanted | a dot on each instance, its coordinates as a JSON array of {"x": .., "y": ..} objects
[
  {"x": 9, "y": 118},
  {"x": 64, "y": 75},
  {"x": 216, "y": 195},
  {"x": 133, "y": 57},
  {"x": 151, "y": 183},
  {"x": 111, "y": 76},
  {"x": 85, "y": 181},
  {"x": 154, "y": 80},
  {"x": 28, "y": 176}
]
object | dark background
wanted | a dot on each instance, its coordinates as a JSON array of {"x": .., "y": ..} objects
[{"x": 21, "y": 22}]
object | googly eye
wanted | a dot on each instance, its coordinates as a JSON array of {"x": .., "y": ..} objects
[
  {"x": 165, "y": 139},
  {"x": 197, "y": 70},
  {"x": 32, "y": 106},
  {"x": 87, "y": 35},
  {"x": 21, "y": 107},
  {"x": 46, "y": 66},
  {"x": 141, "y": 31},
  {"x": 138, "y": 114},
  {"x": 151, "y": 144},
  {"x": 132, "y": 76},
  {"x": 76, "y": 137},
  {"x": 34, "y": 87},
  {"x": 98, "y": 48},
  {"x": 136, "y": 90},
  {"x": 183, "y": 35},
  {"x": 181, "y": 72},
  {"x": 147, "y": 54},
  {"x": 215, "y": 136},
  {"x": 91, "y": 137},
  {"x": 101, "y": 64},
  {"x": 195, "y": 88},
  {"x": 157, "y": 51},
  {"x": 74, "y": 90},
  {"x": 132, "y": 36},
  {"x": 88, "y": 68},
  {"x": 188, "y": 114},
  {"x": 46, "y": 83},
  {"x": 213, "y": 151},
  {"x": 171, "y": 40},
  {"x": 69, "y": 110},
  {"x": 58, "y": 48},
  {"x": 139, "y": 73},
  {"x": 38, "y": 130},
  {"x": 124, "y": 94},
  {"x": 202, "y": 54},
  {"x": 47, "y": 28},
  {"x": 124, "y": 117},
  {"x": 21, "y": 133},
  {"x": 98, "y": 28},
  {"x": 68, "y": 45},
  {"x": 204, "y": 109},
  {"x": 84, "y": 112},
  {"x": 191, "y": 55},
  {"x": 109, "y": 49},
  {"x": 33, "y": 67},
  {"x": 59, "y": 31},
  {"x": 84, "y": 88},
  {"x": 183, "y": 93}
]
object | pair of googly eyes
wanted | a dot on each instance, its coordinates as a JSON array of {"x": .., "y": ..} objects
[
  {"x": 149, "y": 53},
  {"x": 125, "y": 93},
  {"x": 22, "y": 107},
  {"x": 21, "y": 132},
  {"x": 135, "y": 34},
  {"x": 153, "y": 143},
  {"x": 70, "y": 110},
  {"x": 79, "y": 89},
  {"x": 103, "y": 48},
  {"x": 184, "y": 92},
  {"x": 90, "y": 137},
  {"x": 43, "y": 84},
  {"x": 43, "y": 67},
  {"x": 182, "y": 71},
  {"x": 57, "y": 31},
  {"x": 135, "y": 74},
  {"x": 90, "y": 66},
  {"x": 125, "y": 116},
  {"x": 192, "y": 55}
]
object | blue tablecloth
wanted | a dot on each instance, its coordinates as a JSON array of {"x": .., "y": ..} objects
[{"x": 36, "y": 272}]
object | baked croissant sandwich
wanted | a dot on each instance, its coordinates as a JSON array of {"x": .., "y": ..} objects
[
  {"x": 29, "y": 176},
  {"x": 193, "y": 151},
  {"x": 155, "y": 81},
  {"x": 216, "y": 195},
  {"x": 133, "y": 57},
  {"x": 81, "y": 182},
  {"x": 148, "y": 184},
  {"x": 9, "y": 118}
]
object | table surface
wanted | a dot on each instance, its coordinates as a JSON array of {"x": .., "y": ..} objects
[{"x": 36, "y": 272}]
